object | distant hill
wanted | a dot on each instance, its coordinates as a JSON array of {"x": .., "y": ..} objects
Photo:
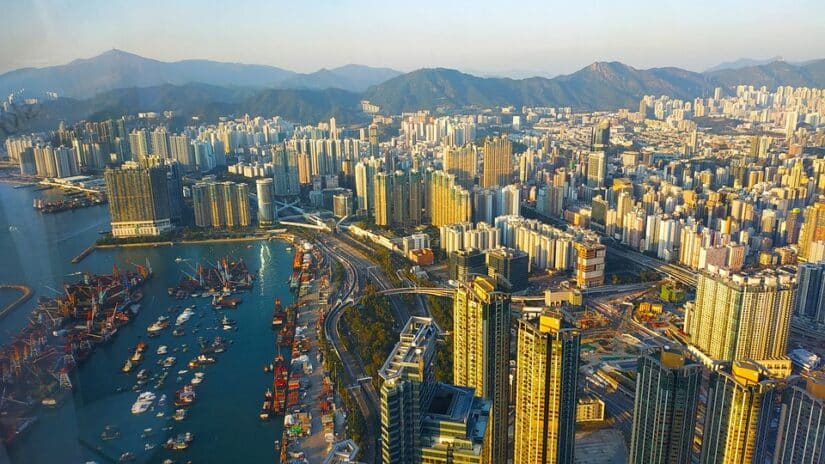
[
  {"x": 600, "y": 85},
  {"x": 116, "y": 69},
  {"x": 742, "y": 63},
  {"x": 352, "y": 77},
  {"x": 205, "y": 101},
  {"x": 117, "y": 83},
  {"x": 772, "y": 75}
]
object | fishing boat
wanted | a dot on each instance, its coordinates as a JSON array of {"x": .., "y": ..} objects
[
  {"x": 143, "y": 374},
  {"x": 169, "y": 361},
  {"x": 162, "y": 349},
  {"x": 185, "y": 396},
  {"x": 179, "y": 415}
]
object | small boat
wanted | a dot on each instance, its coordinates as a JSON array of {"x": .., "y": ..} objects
[
  {"x": 169, "y": 362},
  {"x": 196, "y": 380},
  {"x": 49, "y": 402},
  {"x": 109, "y": 433},
  {"x": 127, "y": 367},
  {"x": 182, "y": 371},
  {"x": 143, "y": 374},
  {"x": 179, "y": 259},
  {"x": 265, "y": 410},
  {"x": 162, "y": 400},
  {"x": 178, "y": 332},
  {"x": 128, "y": 456},
  {"x": 180, "y": 414},
  {"x": 162, "y": 349},
  {"x": 184, "y": 316},
  {"x": 158, "y": 325}
]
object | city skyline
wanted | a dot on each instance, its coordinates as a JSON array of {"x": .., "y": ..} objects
[{"x": 574, "y": 37}]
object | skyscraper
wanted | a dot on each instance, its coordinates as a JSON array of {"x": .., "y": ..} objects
[
  {"x": 741, "y": 316},
  {"x": 512, "y": 265},
  {"x": 810, "y": 300},
  {"x": 590, "y": 258},
  {"x": 266, "y": 201},
  {"x": 400, "y": 199},
  {"x": 481, "y": 347},
  {"x": 407, "y": 384},
  {"x": 498, "y": 162},
  {"x": 801, "y": 434},
  {"x": 547, "y": 362},
  {"x": 383, "y": 202},
  {"x": 738, "y": 414},
  {"x": 423, "y": 421},
  {"x": 221, "y": 204},
  {"x": 138, "y": 200},
  {"x": 664, "y": 411},
  {"x": 374, "y": 150}
]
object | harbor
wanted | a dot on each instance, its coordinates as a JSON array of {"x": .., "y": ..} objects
[
  {"x": 94, "y": 420},
  {"x": 311, "y": 419}
]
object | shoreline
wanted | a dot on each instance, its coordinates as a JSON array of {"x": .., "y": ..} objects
[{"x": 91, "y": 248}]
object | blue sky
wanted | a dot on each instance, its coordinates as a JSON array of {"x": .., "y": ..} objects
[{"x": 483, "y": 36}]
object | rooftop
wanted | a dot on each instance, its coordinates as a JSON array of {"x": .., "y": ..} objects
[{"x": 419, "y": 332}]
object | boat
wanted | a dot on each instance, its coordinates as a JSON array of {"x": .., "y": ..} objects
[
  {"x": 143, "y": 374},
  {"x": 180, "y": 442},
  {"x": 178, "y": 332},
  {"x": 162, "y": 349},
  {"x": 128, "y": 456},
  {"x": 169, "y": 361},
  {"x": 109, "y": 433},
  {"x": 141, "y": 346},
  {"x": 179, "y": 415},
  {"x": 218, "y": 345},
  {"x": 49, "y": 402},
  {"x": 144, "y": 400},
  {"x": 158, "y": 325},
  {"x": 265, "y": 410},
  {"x": 135, "y": 308},
  {"x": 196, "y": 380},
  {"x": 227, "y": 323},
  {"x": 162, "y": 400},
  {"x": 179, "y": 259},
  {"x": 127, "y": 367},
  {"x": 184, "y": 316},
  {"x": 185, "y": 396}
]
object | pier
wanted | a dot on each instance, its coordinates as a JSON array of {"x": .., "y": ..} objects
[{"x": 26, "y": 294}]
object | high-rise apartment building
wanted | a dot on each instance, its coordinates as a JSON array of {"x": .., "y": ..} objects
[
  {"x": 547, "y": 364},
  {"x": 481, "y": 347},
  {"x": 448, "y": 202},
  {"x": 285, "y": 171},
  {"x": 741, "y": 316},
  {"x": 812, "y": 231},
  {"x": 383, "y": 199},
  {"x": 738, "y": 414},
  {"x": 810, "y": 296},
  {"x": 462, "y": 162},
  {"x": 498, "y": 162},
  {"x": 138, "y": 200},
  {"x": 400, "y": 199},
  {"x": 221, "y": 204},
  {"x": 664, "y": 410},
  {"x": 600, "y": 136},
  {"x": 801, "y": 434}
]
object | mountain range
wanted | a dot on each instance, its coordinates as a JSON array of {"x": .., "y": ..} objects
[{"x": 117, "y": 82}]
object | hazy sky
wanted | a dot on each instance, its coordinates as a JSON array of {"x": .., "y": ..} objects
[{"x": 482, "y": 36}]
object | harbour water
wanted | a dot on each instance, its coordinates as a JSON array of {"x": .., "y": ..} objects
[{"x": 36, "y": 249}]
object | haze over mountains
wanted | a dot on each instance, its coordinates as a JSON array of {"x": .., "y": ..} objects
[{"x": 117, "y": 82}]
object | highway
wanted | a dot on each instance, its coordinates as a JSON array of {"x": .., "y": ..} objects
[{"x": 676, "y": 272}]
